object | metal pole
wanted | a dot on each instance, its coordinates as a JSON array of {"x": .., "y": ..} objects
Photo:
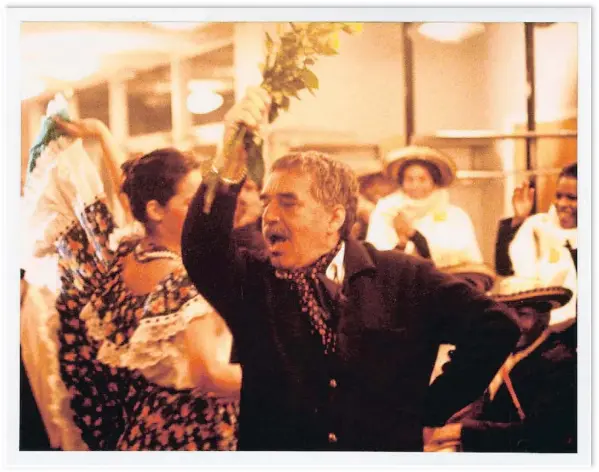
[
  {"x": 408, "y": 55},
  {"x": 529, "y": 41}
]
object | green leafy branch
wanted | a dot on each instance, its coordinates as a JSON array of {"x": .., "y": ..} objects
[{"x": 285, "y": 72}]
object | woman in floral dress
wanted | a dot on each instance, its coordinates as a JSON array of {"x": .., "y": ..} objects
[{"x": 143, "y": 358}]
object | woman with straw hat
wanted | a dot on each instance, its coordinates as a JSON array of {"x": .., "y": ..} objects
[{"x": 418, "y": 217}]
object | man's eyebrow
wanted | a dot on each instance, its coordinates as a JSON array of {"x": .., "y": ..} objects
[{"x": 284, "y": 195}]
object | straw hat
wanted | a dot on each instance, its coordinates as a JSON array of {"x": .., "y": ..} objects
[
  {"x": 398, "y": 158},
  {"x": 519, "y": 292},
  {"x": 478, "y": 275}
]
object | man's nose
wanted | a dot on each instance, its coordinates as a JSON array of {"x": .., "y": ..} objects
[{"x": 270, "y": 213}]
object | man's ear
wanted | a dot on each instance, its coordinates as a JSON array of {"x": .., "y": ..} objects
[
  {"x": 155, "y": 211},
  {"x": 338, "y": 215}
]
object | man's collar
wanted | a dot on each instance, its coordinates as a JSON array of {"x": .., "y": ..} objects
[
  {"x": 352, "y": 258},
  {"x": 336, "y": 270}
]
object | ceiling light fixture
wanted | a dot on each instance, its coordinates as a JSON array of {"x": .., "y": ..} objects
[
  {"x": 200, "y": 103},
  {"x": 176, "y": 25},
  {"x": 450, "y": 32},
  {"x": 204, "y": 97}
]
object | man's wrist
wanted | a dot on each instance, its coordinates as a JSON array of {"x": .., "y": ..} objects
[{"x": 231, "y": 177}]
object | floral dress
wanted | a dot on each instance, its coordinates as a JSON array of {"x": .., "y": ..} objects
[{"x": 123, "y": 379}]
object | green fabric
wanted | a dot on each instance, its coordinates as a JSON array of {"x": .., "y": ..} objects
[{"x": 49, "y": 132}]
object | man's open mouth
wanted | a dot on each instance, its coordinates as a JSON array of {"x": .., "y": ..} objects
[{"x": 274, "y": 239}]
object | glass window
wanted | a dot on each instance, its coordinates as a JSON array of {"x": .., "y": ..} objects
[
  {"x": 149, "y": 101},
  {"x": 93, "y": 102}
]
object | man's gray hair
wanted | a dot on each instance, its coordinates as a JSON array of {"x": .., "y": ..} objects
[{"x": 333, "y": 182}]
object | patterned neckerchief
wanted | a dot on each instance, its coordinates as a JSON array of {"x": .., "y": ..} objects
[{"x": 305, "y": 280}]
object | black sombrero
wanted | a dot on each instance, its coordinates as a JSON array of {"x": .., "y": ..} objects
[
  {"x": 542, "y": 299},
  {"x": 477, "y": 275}
]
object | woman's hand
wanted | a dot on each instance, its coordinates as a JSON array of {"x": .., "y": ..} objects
[
  {"x": 403, "y": 228},
  {"x": 522, "y": 202},
  {"x": 85, "y": 128},
  {"x": 113, "y": 154}
]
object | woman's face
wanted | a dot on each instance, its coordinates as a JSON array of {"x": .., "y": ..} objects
[
  {"x": 176, "y": 208},
  {"x": 417, "y": 182},
  {"x": 566, "y": 202}
]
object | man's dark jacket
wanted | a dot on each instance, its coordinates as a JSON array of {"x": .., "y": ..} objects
[
  {"x": 373, "y": 393},
  {"x": 545, "y": 384}
]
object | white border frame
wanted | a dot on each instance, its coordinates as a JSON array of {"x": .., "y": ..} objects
[{"x": 11, "y": 191}]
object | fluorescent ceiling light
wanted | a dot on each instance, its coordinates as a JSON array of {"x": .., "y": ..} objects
[
  {"x": 203, "y": 102},
  {"x": 450, "y": 32},
  {"x": 176, "y": 25}
]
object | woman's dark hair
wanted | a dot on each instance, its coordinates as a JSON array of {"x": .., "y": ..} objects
[
  {"x": 432, "y": 169},
  {"x": 570, "y": 171},
  {"x": 154, "y": 176}
]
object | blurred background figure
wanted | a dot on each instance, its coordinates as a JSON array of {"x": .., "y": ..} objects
[
  {"x": 418, "y": 218},
  {"x": 543, "y": 246},
  {"x": 522, "y": 206},
  {"x": 247, "y": 222},
  {"x": 373, "y": 187}
]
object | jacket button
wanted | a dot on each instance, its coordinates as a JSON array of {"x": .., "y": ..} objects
[
  {"x": 333, "y": 383},
  {"x": 332, "y": 438}
]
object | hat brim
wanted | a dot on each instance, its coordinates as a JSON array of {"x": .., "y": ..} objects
[
  {"x": 478, "y": 275},
  {"x": 399, "y": 158},
  {"x": 482, "y": 281},
  {"x": 541, "y": 299}
]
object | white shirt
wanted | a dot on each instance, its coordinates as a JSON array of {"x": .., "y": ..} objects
[
  {"x": 336, "y": 269},
  {"x": 538, "y": 252},
  {"x": 449, "y": 233}
]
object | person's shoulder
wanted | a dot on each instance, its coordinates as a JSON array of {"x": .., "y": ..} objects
[
  {"x": 395, "y": 259},
  {"x": 175, "y": 292}
]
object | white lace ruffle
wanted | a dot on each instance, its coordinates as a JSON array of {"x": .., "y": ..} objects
[
  {"x": 152, "y": 342},
  {"x": 60, "y": 405},
  {"x": 63, "y": 183},
  {"x": 134, "y": 229}
]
